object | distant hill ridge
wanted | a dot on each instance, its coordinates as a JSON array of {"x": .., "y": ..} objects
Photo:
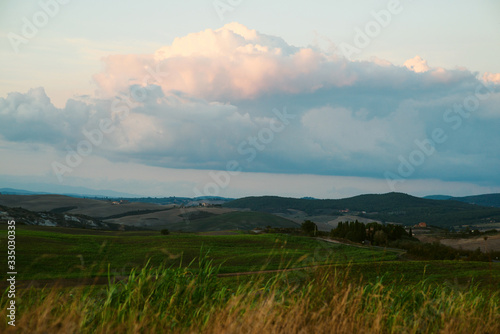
[
  {"x": 112, "y": 195},
  {"x": 12, "y": 191},
  {"x": 78, "y": 192},
  {"x": 443, "y": 211},
  {"x": 492, "y": 200},
  {"x": 390, "y": 207},
  {"x": 368, "y": 203}
]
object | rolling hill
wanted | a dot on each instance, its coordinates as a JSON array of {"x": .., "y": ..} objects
[
  {"x": 58, "y": 210},
  {"x": 390, "y": 207},
  {"x": 65, "y": 190},
  {"x": 74, "y": 205},
  {"x": 237, "y": 220},
  {"x": 173, "y": 219},
  {"x": 491, "y": 200},
  {"x": 268, "y": 211},
  {"x": 52, "y": 219}
]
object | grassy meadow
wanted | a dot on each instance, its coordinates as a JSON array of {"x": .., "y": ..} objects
[
  {"x": 46, "y": 253},
  {"x": 192, "y": 283}
]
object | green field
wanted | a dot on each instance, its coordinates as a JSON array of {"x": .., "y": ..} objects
[
  {"x": 44, "y": 253},
  {"x": 191, "y": 283},
  {"x": 51, "y": 253}
]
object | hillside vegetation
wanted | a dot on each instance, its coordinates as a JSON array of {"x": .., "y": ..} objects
[
  {"x": 384, "y": 208},
  {"x": 492, "y": 200},
  {"x": 391, "y": 207},
  {"x": 55, "y": 210}
]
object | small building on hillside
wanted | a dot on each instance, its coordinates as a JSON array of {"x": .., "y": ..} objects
[{"x": 258, "y": 230}]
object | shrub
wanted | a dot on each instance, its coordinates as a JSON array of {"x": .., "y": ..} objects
[{"x": 309, "y": 227}]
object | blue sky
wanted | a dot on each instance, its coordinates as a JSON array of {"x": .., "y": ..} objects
[{"x": 236, "y": 98}]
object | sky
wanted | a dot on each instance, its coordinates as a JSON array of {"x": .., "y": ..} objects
[{"x": 234, "y": 98}]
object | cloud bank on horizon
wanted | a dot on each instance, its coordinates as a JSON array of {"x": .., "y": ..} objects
[{"x": 237, "y": 95}]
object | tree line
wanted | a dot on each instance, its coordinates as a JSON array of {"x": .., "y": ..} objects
[
  {"x": 375, "y": 233},
  {"x": 396, "y": 236}
]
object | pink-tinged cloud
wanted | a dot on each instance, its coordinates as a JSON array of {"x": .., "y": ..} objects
[
  {"x": 232, "y": 62},
  {"x": 236, "y": 63},
  {"x": 438, "y": 74},
  {"x": 492, "y": 77},
  {"x": 122, "y": 71},
  {"x": 203, "y": 100},
  {"x": 417, "y": 65}
]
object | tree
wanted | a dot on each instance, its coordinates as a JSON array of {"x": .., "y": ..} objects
[
  {"x": 380, "y": 238},
  {"x": 165, "y": 231},
  {"x": 309, "y": 227}
]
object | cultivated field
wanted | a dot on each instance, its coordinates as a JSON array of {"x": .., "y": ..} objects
[
  {"x": 72, "y": 205},
  {"x": 76, "y": 253},
  {"x": 77, "y": 280},
  {"x": 492, "y": 243},
  {"x": 175, "y": 218}
]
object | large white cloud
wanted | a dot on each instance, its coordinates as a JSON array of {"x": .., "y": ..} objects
[
  {"x": 197, "y": 102},
  {"x": 234, "y": 62},
  {"x": 229, "y": 63},
  {"x": 31, "y": 117}
]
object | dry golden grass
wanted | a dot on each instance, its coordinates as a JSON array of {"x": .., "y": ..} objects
[{"x": 323, "y": 301}]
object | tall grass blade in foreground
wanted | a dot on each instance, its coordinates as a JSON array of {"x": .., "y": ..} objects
[{"x": 187, "y": 300}]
